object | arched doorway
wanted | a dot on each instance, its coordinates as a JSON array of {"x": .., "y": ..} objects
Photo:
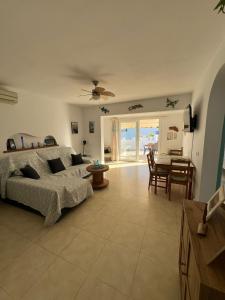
[{"x": 213, "y": 142}]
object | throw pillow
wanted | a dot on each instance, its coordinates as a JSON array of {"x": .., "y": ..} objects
[
  {"x": 56, "y": 165},
  {"x": 30, "y": 172},
  {"x": 77, "y": 159}
]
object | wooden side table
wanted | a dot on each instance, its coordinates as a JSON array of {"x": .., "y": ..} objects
[{"x": 98, "y": 181}]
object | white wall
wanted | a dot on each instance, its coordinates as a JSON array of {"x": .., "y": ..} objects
[
  {"x": 39, "y": 116},
  {"x": 207, "y": 137},
  {"x": 75, "y": 114},
  {"x": 165, "y": 123},
  {"x": 93, "y": 113}
]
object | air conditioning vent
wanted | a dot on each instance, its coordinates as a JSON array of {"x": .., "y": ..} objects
[{"x": 8, "y": 97}]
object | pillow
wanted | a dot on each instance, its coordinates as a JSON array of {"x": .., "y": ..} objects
[
  {"x": 56, "y": 165},
  {"x": 77, "y": 159},
  {"x": 30, "y": 172}
]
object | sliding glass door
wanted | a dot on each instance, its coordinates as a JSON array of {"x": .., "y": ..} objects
[
  {"x": 148, "y": 136},
  {"x": 128, "y": 140},
  {"x": 136, "y": 137}
]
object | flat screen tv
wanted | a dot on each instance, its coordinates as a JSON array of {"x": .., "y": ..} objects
[{"x": 189, "y": 121}]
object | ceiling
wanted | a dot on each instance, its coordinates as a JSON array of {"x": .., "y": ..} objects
[{"x": 138, "y": 49}]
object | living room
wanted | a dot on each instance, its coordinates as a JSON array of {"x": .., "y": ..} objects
[{"x": 94, "y": 99}]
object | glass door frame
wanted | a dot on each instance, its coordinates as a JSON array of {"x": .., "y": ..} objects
[
  {"x": 137, "y": 121},
  {"x": 136, "y": 138}
]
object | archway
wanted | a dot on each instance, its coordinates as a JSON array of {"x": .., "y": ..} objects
[{"x": 213, "y": 136}]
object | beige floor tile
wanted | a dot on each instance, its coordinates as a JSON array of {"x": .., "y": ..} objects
[
  {"x": 61, "y": 281},
  {"x": 28, "y": 224},
  {"x": 11, "y": 246},
  {"x": 115, "y": 209},
  {"x": 84, "y": 250},
  {"x": 78, "y": 217},
  {"x": 164, "y": 222},
  {"x": 116, "y": 267},
  {"x": 4, "y": 295},
  {"x": 153, "y": 281},
  {"x": 94, "y": 289},
  {"x": 128, "y": 234},
  {"x": 102, "y": 225},
  {"x": 25, "y": 270},
  {"x": 57, "y": 237},
  {"x": 102, "y": 237},
  {"x": 138, "y": 217},
  {"x": 162, "y": 247}
]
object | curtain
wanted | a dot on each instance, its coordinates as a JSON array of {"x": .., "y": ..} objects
[{"x": 115, "y": 139}]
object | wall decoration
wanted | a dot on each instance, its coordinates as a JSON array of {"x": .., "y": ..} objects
[
  {"x": 84, "y": 142},
  {"x": 74, "y": 127},
  {"x": 169, "y": 135},
  {"x": 171, "y": 103},
  {"x": 25, "y": 141},
  {"x": 105, "y": 110},
  {"x": 91, "y": 127},
  {"x": 134, "y": 107},
  {"x": 220, "y": 7},
  {"x": 174, "y": 128},
  {"x": 11, "y": 145},
  {"x": 50, "y": 141}
]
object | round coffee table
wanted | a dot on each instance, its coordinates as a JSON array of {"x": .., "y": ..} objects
[{"x": 98, "y": 181}]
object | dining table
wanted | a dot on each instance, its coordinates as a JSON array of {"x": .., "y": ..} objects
[{"x": 163, "y": 161}]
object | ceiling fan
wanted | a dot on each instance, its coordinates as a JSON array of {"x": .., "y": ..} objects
[{"x": 97, "y": 92}]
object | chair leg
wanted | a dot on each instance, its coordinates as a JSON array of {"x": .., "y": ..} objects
[
  {"x": 186, "y": 192},
  {"x": 149, "y": 182},
  {"x": 166, "y": 190},
  {"x": 155, "y": 184},
  {"x": 169, "y": 188}
]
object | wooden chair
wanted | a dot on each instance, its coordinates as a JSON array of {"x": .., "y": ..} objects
[
  {"x": 179, "y": 174},
  {"x": 155, "y": 174}
]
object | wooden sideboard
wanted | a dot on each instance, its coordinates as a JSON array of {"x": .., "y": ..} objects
[{"x": 200, "y": 277}]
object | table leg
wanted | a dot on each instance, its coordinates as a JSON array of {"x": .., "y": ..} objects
[
  {"x": 155, "y": 184},
  {"x": 190, "y": 185}
]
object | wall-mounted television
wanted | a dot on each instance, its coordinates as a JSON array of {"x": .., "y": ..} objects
[{"x": 189, "y": 121}]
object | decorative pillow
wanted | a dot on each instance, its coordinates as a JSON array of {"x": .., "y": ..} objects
[
  {"x": 56, "y": 165},
  {"x": 77, "y": 159},
  {"x": 30, "y": 172}
]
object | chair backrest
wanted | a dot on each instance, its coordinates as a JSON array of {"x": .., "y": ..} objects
[
  {"x": 180, "y": 167},
  {"x": 151, "y": 160}
]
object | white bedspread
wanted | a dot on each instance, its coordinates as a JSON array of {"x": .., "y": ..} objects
[{"x": 50, "y": 194}]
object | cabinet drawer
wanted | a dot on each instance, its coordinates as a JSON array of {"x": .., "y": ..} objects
[{"x": 193, "y": 277}]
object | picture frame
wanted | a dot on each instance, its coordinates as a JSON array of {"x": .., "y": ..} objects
[
  {"x": 91, "y": 127},
  {"x": 169, "y": 135},
  {"x": 74, "y": 127},
  {"x": 11, "y": 145},
  {"x": 214, "y": 202}
]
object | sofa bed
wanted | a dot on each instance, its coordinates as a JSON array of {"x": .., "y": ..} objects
[{"x": 51, "y": 192}]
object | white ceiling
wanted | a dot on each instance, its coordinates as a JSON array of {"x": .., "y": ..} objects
[{"x": 139, "y": 49}]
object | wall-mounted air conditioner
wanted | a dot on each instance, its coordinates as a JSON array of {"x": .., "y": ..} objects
[{"x": 8, "y": 96}]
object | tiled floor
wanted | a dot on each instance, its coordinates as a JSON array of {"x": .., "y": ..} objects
[{"x": 121, "y": 244}]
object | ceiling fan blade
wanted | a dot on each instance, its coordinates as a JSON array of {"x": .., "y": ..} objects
[
  {"x": 85, "y": 90},
  {"x": 84, "y": 95},
  {"x": 99, "y": 89},
  {"x": 108, "y": 93}
]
